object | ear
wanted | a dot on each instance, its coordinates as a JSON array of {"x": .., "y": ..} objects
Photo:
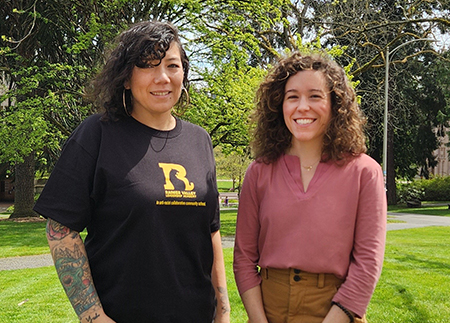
[{"x": 126, "y": 85}]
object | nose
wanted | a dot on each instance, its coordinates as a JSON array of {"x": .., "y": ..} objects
[
  {"x": 303, "y": 104},
  {"x": 161, "y": 76}
]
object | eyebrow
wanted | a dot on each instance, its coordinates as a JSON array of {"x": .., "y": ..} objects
[
  {"x": 173, "y": 58},
  {"x": 311, "y": 90}
]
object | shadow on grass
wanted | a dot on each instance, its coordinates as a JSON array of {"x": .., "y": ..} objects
[
  {"x": 426, "y": 265},
  {"x": 417, "y": 313}
]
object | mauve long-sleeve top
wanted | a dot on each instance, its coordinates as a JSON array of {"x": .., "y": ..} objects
[{"x": 337, "y": 226}]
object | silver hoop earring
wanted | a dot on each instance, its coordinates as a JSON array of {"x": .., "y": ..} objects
[{"x": 125, "y": 103}]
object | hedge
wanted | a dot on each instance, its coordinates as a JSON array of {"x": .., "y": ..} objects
[{"x": 434, "y": 189}]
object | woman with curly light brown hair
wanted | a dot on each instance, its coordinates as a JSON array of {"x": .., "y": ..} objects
[{"x": 311, "y": 223}]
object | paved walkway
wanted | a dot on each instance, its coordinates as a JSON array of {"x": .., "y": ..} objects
[
  {"x": 416, "y": 221},
  {"x": 409, "y": 221},
  {"x": 4, "y": 206}
]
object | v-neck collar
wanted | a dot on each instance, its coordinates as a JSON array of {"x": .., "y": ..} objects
[{"x": 292, "y": 170}]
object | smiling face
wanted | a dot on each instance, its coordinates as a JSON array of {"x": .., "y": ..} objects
[
  {"x": 156, "y": 88},
  {"x": 307, "y": 107}
]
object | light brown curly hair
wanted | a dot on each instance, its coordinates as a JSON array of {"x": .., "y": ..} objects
[{"x": 344, "y": 136}]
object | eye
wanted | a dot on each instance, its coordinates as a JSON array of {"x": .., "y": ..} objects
[
  {"x": 147, "y": 64},
  {"x": 290, "y": 97},
  {"x": 174, "y": 65},
  {"x": 316, "y": 96}
]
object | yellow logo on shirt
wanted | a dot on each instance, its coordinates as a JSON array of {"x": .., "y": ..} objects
[
  {"x": 180, "y": 174},
  {"x": 170, "y": 191}
]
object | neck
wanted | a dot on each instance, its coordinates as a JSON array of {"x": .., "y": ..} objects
[
  {"x": 309, "y": 153},
  {"x": 159, "y": 122}
]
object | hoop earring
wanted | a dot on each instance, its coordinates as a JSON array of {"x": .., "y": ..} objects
[
  {"x": 187, "y": 95},
  {"x": 124, "y": 102}
]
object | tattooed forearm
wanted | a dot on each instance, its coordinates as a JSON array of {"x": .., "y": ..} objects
[
  {"x": 90, "y": 319},
  {"x": 57, "y": 231},
  {"x": 225, "y": 304},
  {"x": 73, "y": 270},
  {"x": 74, "y": 273}
]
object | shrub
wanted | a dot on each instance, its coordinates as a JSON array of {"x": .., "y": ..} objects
[
  {"x": 409, "y": 192},
  {"x": 437, "y": 188},
  {"x": 434, "y": 189}
]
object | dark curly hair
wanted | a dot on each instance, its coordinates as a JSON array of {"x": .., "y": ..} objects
[
  {"x": 344, "y": 136},
  {"x": 142, "y": 42}
]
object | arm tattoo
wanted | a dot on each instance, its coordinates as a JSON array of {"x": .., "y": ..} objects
[
  {"x": 57, "y": 231},
  {"x": 90, "y": 319},
  {"x": 75, "y": 276},
  {"x": 224, "y": 299}
]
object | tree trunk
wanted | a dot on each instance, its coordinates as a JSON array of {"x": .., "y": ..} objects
[{"x": 24, "y": 189}]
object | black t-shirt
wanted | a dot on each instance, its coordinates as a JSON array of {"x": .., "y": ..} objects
[{"x": 149, "y": 200}]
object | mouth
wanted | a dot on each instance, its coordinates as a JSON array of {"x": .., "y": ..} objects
[
  {"x": 304, "y": 121},
  {"x": 160, "y": 93}
]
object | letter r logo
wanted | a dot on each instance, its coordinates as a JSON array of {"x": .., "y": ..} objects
[{"x": 180, "y": 174}]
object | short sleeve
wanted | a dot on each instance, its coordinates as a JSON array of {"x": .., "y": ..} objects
[{"x": 66, "y": 197}]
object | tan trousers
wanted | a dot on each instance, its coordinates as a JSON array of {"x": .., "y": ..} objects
[{"x": 294, "y": 296}]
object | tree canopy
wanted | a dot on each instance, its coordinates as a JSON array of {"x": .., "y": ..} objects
[{"x": 50, "y": 49}]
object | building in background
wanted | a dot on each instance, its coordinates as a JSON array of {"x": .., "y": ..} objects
[{"x": 443, "y": 164}]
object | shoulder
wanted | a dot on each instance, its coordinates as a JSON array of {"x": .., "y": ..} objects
[
  {"x": 193, "y": 128},
  {"x": 88, "y": 134},
  {"x": 95, "y": 125},
  {"x": 366, "y": 169},
  {"x": 258, "y": 168},
  {"x": 365, "y": 162},
  {"x": 91, "y": 123},
  {"x": 193, "y": 134}
]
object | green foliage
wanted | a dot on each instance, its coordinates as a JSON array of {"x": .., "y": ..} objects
[
  {"x": 241, "y": 30},
  {"x": 231, "y": 44},
  {"x": 48, "y": 52},
  {"x": 222, "y": 103},
  {"x": 408, "y": 192},
  {"x": 434, "y": 189},
  {"x": 232, "y": 165},
  {"x": 437, "y": 188},
  {"x": 46, "y": 104}
]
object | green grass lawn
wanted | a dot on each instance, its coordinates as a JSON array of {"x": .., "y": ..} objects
[
  {"x": 17, "y": 239},
  {"x": 415, "y": 283},
  {"x": 22, "y": 239},
  {"x": 228, "y": 222},
  {"x": 428, "y": 210},
  {"x": 414, "y": 286},
  {"x": 224, "y": 185},
  {"x": 33, "y": 295}
]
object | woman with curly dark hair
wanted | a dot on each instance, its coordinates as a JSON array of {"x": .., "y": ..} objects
[
  {"x": 312, "y": 210},
  {"x": 143, "y": 183}
]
